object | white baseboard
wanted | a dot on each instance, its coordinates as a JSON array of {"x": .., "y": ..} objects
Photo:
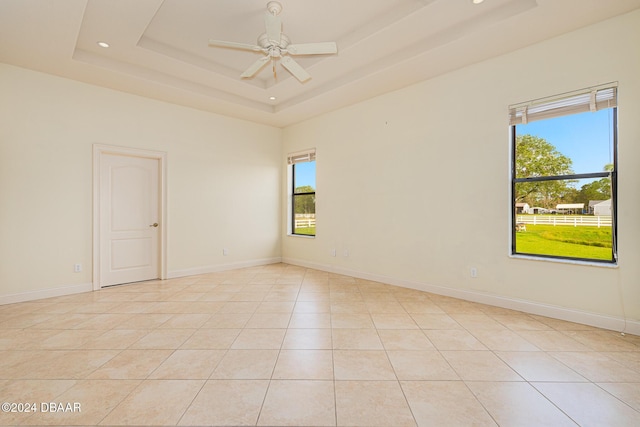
[
  {"x": 88, "y": 287},
  {"x": 45, "y": 293},
  {"x": 593, "y": 319},
  {"x": 562, "y": 313},
  {"x": 224, "y": 267}
]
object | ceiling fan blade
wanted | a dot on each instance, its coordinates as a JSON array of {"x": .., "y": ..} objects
[
  {"x": 234, "y": 45},
  {"x": 295, "y": 69},
  {"x": 255, "y": 67},
  {"x": 313, "y": 48},
  {"x": 273, "y": 23}
]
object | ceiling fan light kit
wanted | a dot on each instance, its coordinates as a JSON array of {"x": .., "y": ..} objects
[{"x": 275, "y": 45}]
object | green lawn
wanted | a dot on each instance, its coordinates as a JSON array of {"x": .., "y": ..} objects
[
  {"x": 562, "y": 240},
  {"x": 566, "y": 241},
  {"x": 310, "y": 231}
]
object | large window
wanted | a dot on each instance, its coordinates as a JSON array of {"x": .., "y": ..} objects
[
  {"x": 302, "y": 206},
  {"x": 564, "y": 176}
]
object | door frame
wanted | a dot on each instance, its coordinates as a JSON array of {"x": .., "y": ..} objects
[{"x": 98, "y": 151}]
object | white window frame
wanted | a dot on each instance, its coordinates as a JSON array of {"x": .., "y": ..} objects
[
  {"x": 589, "y": 99},
  {"x": 308, "y": 155}
]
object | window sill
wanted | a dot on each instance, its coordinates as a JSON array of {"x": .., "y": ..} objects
[
  {"x": 565, "y": 261},
  {"x": 304, "y": 236}
]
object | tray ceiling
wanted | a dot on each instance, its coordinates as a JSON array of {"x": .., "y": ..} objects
[{"x": 159, "y": 48}]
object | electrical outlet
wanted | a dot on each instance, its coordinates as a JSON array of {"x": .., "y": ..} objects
[
  {"x": 333, "y": 252},
  {"x": 474, "y": 272},
  {"x": 225, "y": 251},
  {"x": 77, "y": 268},
  {"x": 345, "y": 252}
]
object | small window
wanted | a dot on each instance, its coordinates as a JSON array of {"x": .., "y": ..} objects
[
  {"x": 564, "y": 176},
  {"x": 302, "y": 206}
]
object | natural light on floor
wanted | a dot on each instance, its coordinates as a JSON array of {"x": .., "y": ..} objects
[{"x": 284, "y": 345}]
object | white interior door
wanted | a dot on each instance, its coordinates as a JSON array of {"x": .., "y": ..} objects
[{"x": 129, "y": 217}]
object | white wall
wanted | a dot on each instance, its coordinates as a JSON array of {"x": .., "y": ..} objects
[
  {"x": 393, "y": 177},
  {"x": 396, "y": 174},
  {"x": 223, "y": 180}
]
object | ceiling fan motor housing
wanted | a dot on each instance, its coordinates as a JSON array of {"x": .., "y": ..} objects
[{"x": 264, "y": 42}]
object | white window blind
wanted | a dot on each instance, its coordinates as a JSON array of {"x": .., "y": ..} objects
[
  {"x": 589, "y": 99},
  {"x": 302, "y": 156}
]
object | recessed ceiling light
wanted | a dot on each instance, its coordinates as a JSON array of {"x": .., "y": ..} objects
[
  {"x": 272, "y": 98},
  {"x": 103, "y": 44},
  {"x": 477, "y": 1}
]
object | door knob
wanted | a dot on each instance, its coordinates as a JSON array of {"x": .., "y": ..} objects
[{"x": 155, "y": 224}]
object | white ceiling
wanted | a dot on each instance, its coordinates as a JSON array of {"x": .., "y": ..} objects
[{"x": 159, "y": 48}]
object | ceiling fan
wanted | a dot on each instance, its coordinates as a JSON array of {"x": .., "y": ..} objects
[{"x": 274, "y": 44}]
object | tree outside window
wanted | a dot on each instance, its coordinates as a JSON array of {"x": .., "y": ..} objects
[{"x": 564, "y": 177}]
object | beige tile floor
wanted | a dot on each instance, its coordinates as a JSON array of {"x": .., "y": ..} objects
[{"x": 284, "y": 345}]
